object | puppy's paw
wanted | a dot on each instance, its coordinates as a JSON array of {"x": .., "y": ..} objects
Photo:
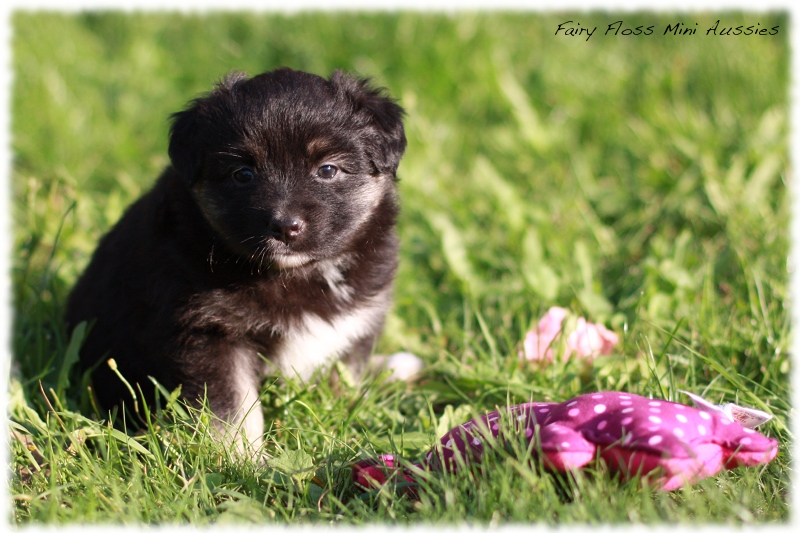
[{"x": 403, "y": 365}]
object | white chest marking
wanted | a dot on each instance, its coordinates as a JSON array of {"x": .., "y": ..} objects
[
  {"x": 315, "y": 342},
  {"x": 333, "y": 277}
]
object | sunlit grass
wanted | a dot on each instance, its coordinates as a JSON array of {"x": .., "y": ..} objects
[{"x": 639, "y": 182}]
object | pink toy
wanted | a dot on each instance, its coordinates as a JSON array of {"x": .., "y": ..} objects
[{"x": 632, "y": 434}]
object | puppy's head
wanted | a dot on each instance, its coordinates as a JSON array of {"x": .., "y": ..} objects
[{"x": 287, "y": 167}]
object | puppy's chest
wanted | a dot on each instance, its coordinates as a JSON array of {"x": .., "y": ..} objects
[
  {"x": 297, "y": 326},
  {"x": 313, "y": 342}
]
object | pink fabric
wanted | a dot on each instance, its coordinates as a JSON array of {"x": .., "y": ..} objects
[
  {"x": 673, "y": 444},
  {"x": 375, "y": 472}
]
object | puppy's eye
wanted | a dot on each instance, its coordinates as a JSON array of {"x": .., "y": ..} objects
[
  {"x": 243, "y": 175},
  {"x": 327, "y": 171}
]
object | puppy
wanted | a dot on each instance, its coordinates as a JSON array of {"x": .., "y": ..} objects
[{"x": 267, "y": 246}]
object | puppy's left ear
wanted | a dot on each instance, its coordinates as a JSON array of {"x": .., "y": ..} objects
[{"x": 383, "y": 116}]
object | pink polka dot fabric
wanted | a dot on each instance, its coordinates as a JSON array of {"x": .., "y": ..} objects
[{"x": 675, "y": 443}]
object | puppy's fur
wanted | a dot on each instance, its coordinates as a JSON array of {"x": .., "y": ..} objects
[{"x": 268, "y": 245}]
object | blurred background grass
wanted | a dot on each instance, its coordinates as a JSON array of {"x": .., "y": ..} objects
[{"x": 640, "y": 181}]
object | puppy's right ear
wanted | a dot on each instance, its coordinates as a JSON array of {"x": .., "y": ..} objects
[
  {"x": 186, "y": 133},
  {"x": 184, "y": 149}
]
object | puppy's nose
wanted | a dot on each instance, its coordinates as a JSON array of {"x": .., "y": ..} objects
[{"x": 286, "y": 229}]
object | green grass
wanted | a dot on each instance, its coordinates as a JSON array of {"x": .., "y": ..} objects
[{"x": 639, "y": 181}]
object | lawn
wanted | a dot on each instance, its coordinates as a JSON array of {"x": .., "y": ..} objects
[{"x": 637, "y": 180}]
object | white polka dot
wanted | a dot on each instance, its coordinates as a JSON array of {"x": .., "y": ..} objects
[
  {"x": 602, "y": 425},
  {"x": 725, "y": 421},
  {"x": 701, "y": 430},
  {"x": 494, "y": 427},
  {"x": 627, "y": 420},
  {"x": 655, "y": 404},
  {"x": 628, "y": 410},
  {"x": 573, "y": 412},
  {"x": 746, "y": 440},
  {"x": 680, "y": 406},
  {"x": 476, "y": 441},
  {"x": 655, "y": 439},
  {"x": 449, "y": 443},
  {"x": 655, "y": 410},
  {"x": 681, "y": 418},
  {"x": 599, "y": 408},
  {"x": 654, "y": 420},
  {"x": 570, "y": 404},
  {"x": 565, "y": 444},
  {"x": 522, "y": 417},
  {"x": 628, "y": 438},
  {"x": 678, "y": 432},
  {"x": 624, "y": 397},
  {"x": 528, "y": 432},
  {"x": 748, "y": 430},
  {"x": 625, "y": 403},
  {"x": 544, "y": 410},
  {"x": 705, "y": 416},
  {"x": 597, "y": 396}
]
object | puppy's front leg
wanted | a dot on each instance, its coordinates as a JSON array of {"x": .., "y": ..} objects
[{"x": 228, "y": 375}]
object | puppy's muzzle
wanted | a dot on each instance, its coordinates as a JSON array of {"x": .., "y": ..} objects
[{"x": 286, "y": 230}]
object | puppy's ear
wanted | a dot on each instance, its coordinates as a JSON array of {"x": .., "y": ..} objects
[
  {"x": 387, "y": 140},
  {"x": 184, "y": 149},
  {"x": 186, "y": 133}
]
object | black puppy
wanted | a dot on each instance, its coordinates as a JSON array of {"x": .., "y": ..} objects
[{"x": 268, "y": 245}]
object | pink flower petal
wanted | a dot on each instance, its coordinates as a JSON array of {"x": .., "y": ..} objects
[
  {"x": 587, "y": 341},
  {"x": 536, "y": 348},
  {"x": 609, "y": 339},
  {"x": 590, "y": 340},
  {"x": 537, "y": 344}
]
